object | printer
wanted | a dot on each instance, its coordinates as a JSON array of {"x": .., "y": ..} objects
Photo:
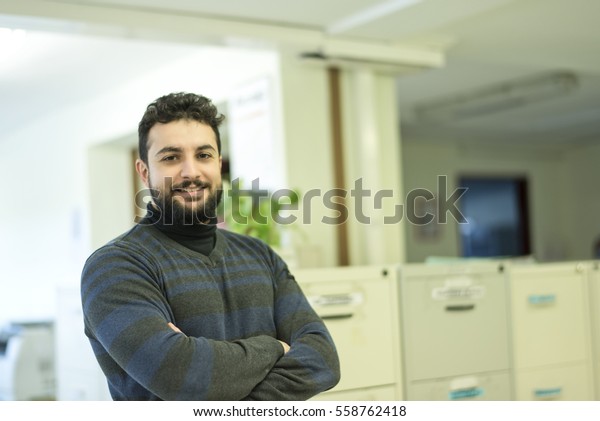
[{"x": 27, "y": 362}]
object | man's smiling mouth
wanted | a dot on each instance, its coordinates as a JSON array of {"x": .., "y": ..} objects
[{"x": 189, "y": 190}]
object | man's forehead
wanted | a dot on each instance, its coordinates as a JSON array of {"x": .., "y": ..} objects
[{"x": 181, "y": 134}]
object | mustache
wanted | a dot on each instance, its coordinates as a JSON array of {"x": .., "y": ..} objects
[{"x": 191, "y": 183}]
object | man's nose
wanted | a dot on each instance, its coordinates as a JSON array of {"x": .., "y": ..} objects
[{"x": 190, "y": 169}]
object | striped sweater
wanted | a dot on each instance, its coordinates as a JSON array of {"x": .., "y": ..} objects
[{"x": 231, "y": 306}]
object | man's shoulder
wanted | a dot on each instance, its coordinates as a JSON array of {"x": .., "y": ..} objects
[
  {"x": 234, "y": 238},
  {"x": 137, "y": 235},
  {"x": 247, "y": 248},
  {"x": 135, "y": 241}
]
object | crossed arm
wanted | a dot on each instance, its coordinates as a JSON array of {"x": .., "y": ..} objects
[
  {"x": 130, "y": 324},
  {"x": 289, "y": 378},
  {"x": 285, "y": 346}
]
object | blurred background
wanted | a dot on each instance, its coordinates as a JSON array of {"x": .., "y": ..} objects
[{"x": 498, "y": 96}]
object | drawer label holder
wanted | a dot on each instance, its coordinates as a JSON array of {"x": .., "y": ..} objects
[{"x": 474, "y": 392}]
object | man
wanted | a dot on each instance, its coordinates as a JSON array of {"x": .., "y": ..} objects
[{"x": 176, "y": 309}]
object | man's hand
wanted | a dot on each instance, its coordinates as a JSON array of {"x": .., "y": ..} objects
[{"x": 285, "y": 346}]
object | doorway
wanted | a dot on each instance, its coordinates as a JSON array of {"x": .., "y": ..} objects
[{"x": 497, "y": 214}]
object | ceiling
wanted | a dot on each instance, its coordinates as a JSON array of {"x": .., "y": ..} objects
[{"x": 485, "y": 42}]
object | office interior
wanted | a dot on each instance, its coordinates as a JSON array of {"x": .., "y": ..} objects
[{"x": 406, "y": 101}]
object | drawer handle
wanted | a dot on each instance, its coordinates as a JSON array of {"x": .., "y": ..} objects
[
  {"x": 338, "y": 316},
  {"x": 464, "y": 307},
  {"x": 541, "y": 299},
  {"x": 474, "y": 392},
  {"x": 336, "y": 299},
  {"x": 552, "y": 393}
]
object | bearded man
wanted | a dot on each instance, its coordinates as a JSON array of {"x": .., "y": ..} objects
[{"x": 178, "y": 309}]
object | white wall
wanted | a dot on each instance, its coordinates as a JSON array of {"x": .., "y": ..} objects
[
  {"x": 583, "y": 196},
  {"x": 549, "y": 186},
  {"x": 307, "y": 131},
  {"x": 41, "y": 221}
]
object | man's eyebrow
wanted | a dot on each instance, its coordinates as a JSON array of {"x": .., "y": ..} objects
[
  {"x": 175, "y": 149},
  {"x": 169, "y": 149},
  {"x": 205, "y": 147}
]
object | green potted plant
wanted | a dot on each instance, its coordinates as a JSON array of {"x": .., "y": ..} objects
[{"x": 246, "y": 212}]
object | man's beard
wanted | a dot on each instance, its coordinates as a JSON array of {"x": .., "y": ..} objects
[{"x": 187, "y": 212}]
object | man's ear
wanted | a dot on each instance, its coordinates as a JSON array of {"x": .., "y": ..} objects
[{"x": 142, "y": 169}]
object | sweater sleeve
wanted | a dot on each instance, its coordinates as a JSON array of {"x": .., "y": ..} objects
[
  {"x": 311, "y": 365},
  {"x": 126, "y": 316}
]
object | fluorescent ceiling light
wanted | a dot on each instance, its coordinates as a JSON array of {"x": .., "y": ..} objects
[
  {"x": 498, "y": 97},
  {"x": 368, "y": 15}
]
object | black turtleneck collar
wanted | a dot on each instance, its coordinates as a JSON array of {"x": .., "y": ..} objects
[{"x": 200, "y": 238}]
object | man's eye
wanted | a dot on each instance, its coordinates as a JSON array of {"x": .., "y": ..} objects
[
  {"x": 169, "y": 158},
  {"x": 204, "y": 155}
]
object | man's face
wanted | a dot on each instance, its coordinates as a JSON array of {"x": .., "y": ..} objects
[{"x": 183, "y": 171}]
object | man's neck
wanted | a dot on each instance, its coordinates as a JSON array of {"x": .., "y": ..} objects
[{"x": 199, "y": 237}]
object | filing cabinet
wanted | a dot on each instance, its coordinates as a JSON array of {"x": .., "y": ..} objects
[
  {"x": 568, "y": 382},
  {"x": 455, "y": 331},
  {"x": 359, "y": 305},
  {"x": 551, "y": 331},
  {"x": 480, "y": 386},
  {"x": 594, "y": 287}
]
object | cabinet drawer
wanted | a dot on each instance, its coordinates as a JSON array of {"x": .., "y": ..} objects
[
  {"x": 359, "y": 307},
  {"x": 455, "y": 320},
  {"x": 489, "y": 387},
  {"x": 568, "y": 383},
  {"x": 549, "y": 315}
]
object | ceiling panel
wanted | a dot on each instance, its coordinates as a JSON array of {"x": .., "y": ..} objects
[
  {"x": 523, "y": 38},
  {"x": 535, "y": 32},
  {"x": 425, "y": 16}
]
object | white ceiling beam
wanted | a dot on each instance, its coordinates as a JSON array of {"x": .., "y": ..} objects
[
  {"x": 370, "y": 51},
  {"x": 180, "y": 27}
]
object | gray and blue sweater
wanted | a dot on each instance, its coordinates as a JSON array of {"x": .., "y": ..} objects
[{"x": 232, "y": 306}]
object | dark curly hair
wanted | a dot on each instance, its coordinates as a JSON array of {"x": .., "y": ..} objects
[{"x": 178, "y": 106}]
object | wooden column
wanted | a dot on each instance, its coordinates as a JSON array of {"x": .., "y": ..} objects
[{"x": 338, "y": 162}]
